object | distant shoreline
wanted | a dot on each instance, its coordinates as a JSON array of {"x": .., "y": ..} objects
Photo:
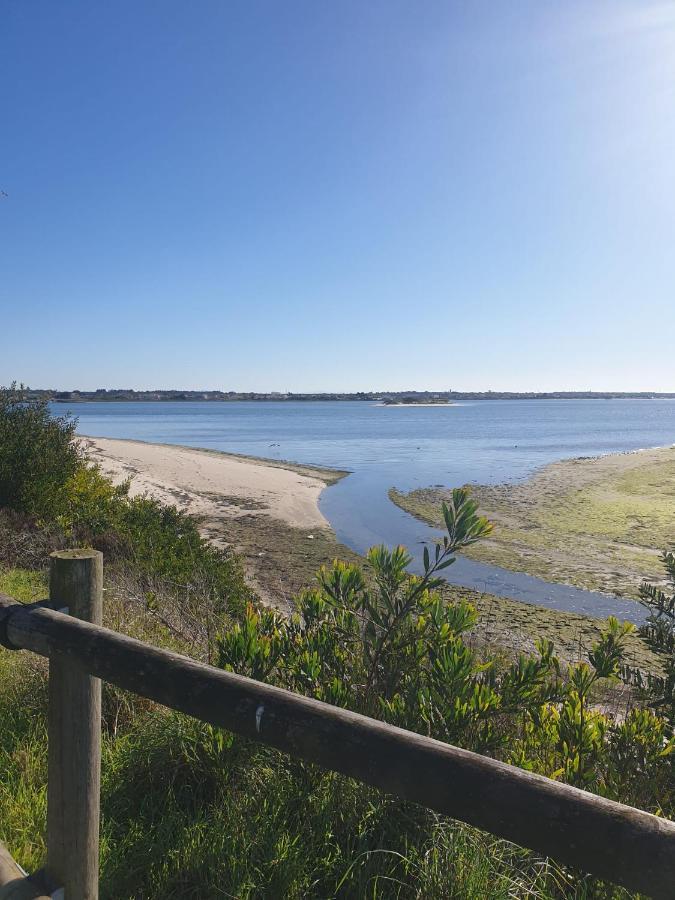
[{"x": 383, "y": 398}]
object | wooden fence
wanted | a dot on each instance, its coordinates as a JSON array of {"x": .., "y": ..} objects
[{"x": 615, "y": 842}]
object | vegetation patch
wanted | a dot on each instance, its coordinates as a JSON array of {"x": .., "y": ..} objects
[{"x": 52, "y": 497}]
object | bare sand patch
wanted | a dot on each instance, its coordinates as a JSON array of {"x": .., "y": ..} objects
[
  {"x": 265, "y": 510},
  {"x": 214, "y": 485}
]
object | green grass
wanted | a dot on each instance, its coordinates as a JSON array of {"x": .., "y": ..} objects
[
  {"x": 24, "y": 585},
  {"x": 598, "y": 524},
  {"x": 23, "y": 734},
  {"x": 251, "y": 823},
  {"x": 247, "y": 822}
]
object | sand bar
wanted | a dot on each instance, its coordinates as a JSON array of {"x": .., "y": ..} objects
[{"x": 214, "y": 485}]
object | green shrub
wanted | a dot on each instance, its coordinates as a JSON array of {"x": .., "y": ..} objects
[
  {"x": 38, "y": 455},
  {"x": 658, "y": 689},
  {"x": 164, "y": 542},
  {"x": 93, "y": 504}
]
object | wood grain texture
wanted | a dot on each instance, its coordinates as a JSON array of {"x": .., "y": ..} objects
[{"x": 74, "y": 721}]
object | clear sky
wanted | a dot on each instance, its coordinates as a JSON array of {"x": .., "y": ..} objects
[{"x": 338, "y": 195}]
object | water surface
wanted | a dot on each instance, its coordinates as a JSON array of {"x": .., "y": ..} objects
[{"x": 406, "y": 447}]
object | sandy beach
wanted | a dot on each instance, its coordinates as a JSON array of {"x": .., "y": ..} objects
[
  {"x": 266, "y": 510},
  {"x": 214, "y": 485}
]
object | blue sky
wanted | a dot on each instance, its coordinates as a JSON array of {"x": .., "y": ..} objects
[{"x": 338, "y": 195}]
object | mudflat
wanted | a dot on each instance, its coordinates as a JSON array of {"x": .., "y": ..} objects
[
  {"x": 598, "y": 523},
  {"x": 268, "y": 512}
]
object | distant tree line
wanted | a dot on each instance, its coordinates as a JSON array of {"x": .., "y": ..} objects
[{"x": 129, "y": 394}]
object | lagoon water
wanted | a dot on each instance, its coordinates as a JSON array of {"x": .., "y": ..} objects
[{"x": 486, "y": 441}]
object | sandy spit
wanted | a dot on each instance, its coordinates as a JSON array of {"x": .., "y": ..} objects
[{"x": 213, "y": 485}]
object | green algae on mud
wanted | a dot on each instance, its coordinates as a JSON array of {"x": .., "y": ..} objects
[
  {"x": 596, "y": 523},
  {"x": 510, "y": 627},
  {"x": 280, "y": 560}
]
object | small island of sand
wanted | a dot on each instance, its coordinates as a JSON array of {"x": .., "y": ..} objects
[{"x": 411, "y": 401}]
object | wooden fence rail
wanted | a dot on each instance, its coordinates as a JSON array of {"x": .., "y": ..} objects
[
  {"x": 616, "y": 842},
  {"x": 14, "y": 884}
]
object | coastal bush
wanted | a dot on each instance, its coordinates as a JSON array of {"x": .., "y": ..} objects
[
  {"x": 158, "y": 540},
  {"x": 94, "y": 504},
  {"x": 165, "y": 543},
  {"x": 52, "y": 497},
  {"x": 658, "y": 689},
  {"x": 38, "y": 455}
]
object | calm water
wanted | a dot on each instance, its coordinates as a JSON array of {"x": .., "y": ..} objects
[{"x": 407, "y": 447}]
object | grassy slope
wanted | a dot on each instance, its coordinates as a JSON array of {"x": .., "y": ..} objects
[
  {"x": 184, "y": 815},
  {"x": 595, "y": 523}
]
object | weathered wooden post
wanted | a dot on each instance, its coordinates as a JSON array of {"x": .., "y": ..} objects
[{"x": 73, "y": 793}]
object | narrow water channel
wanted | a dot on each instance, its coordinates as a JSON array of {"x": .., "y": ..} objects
[{"x": 362, "y": 515}]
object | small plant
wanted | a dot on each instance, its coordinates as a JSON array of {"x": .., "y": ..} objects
[
  {"x": 581, "y": 731},
  {"x": 659, "y": 632}
]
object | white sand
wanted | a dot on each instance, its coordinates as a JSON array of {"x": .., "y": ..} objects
[{"x": 213, "y": 485}]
